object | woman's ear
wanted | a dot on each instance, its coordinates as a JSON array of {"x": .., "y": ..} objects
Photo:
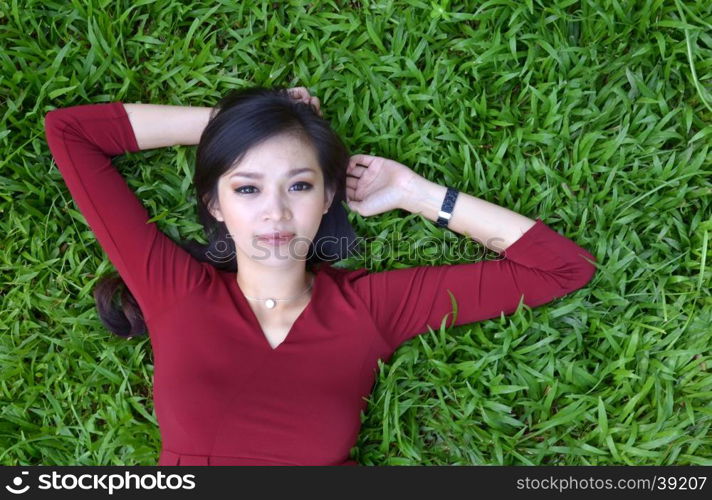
[
  {"x": 213, "y": 208},
  {"x": 328, "y": 198},
  {"x": 217, "y": 214}
]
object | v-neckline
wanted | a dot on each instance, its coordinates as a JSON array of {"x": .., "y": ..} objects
[{"x": 256, "y": 323}]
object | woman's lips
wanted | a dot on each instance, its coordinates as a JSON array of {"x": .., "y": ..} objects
[{"x": 276, "y": 240}]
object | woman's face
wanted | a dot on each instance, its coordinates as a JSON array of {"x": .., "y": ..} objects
[{"x": 277, "y": 187}]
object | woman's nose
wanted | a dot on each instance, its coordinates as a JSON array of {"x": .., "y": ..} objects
[{"x": 277, "y": 208}]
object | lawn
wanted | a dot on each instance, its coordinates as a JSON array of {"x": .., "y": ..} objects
[{"x": 594, "y": 115}]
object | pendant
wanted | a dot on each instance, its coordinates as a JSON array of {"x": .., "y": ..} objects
[{"x": 270, "y": 303}]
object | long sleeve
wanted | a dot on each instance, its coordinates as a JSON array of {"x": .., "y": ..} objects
[
  {"x": 82, "y": 140},
  {"x": 540, "y": 266}
]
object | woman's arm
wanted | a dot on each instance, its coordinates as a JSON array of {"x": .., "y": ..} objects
[
  {"x": 83, "y": 140},
  {"x": 159, "y": 126},
  {"x": 493, "y": 226},
  {"x": 538, "y": 263},
  {"x": 375, "y": 185}
]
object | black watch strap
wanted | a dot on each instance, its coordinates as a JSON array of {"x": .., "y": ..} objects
[{"x": 447, "y": 208}]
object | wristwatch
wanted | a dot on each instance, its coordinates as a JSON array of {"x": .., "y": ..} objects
[{"x": 448, "y": 204}]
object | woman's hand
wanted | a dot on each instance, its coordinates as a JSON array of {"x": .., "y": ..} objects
[
  {"x": 302, "y": 94},
  {"x": 375, "y": 185}
]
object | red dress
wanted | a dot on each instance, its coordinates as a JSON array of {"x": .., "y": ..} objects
[{"x": 222, "y": 394}]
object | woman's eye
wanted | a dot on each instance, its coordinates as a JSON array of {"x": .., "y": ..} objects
[{"x": 306, "y": 186}]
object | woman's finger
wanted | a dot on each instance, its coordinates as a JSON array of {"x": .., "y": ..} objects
[
  {"x": 355, "y": 170},
  {"x": 351, "y": 182},
  {"x": 302, "y": 94},
  {"x": 317, "y": 104},
  {"x": 362, "y": 159},
  {"x": 351, "y": 194},
  {"x": 299, "y": 93}
]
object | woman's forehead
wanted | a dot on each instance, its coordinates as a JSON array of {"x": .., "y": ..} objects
[{"x": 280, "y": 156}]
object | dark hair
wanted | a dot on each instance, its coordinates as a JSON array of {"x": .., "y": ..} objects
[{"x": 240, "y": 120}]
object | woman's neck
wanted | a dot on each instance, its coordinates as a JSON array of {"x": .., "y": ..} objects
[{"x": 262, "y": 282}]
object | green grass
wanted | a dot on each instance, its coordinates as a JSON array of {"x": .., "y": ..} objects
[{"x": 594, "y": 115}]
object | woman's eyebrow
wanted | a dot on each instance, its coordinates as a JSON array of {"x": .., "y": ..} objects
[{"x": 255, "y": 175}]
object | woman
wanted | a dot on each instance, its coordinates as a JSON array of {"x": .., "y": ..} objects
[{"x": 271, "y": 365}]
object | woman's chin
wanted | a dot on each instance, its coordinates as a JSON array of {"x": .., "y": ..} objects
[{"x": 278, "y": 254}]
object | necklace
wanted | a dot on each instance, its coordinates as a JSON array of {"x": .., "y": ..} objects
[{"x": 271, "y": 303}]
